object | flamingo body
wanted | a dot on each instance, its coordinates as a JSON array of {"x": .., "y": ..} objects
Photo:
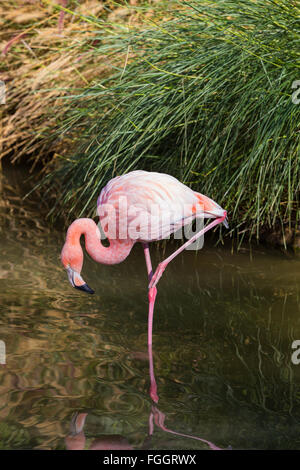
[
  {"x": 151, "y": 206},
  {"x": 138, "y": 206}
]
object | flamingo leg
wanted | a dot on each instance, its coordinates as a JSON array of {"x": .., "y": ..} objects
[
  {"x": 151, "y": 296},
  {"x": 153, "y": 386},
  {"x": 151, "y": 293},
  {"x": 148, "y": 260},
  {"x": 162, "y": 266}
]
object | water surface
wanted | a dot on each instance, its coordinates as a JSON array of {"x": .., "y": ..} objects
[{"x": 77, "y": 372}]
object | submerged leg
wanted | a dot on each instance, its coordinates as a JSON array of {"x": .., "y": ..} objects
[{"x": 162, "y": 266}]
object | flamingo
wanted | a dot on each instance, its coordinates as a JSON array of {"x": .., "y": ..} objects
[{"x": 143, "y": 207}]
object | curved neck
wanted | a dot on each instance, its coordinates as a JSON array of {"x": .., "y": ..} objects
[{"x": 115, "y": 253}]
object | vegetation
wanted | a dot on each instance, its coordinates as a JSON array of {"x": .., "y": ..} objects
[
  {"x": 201, "y": 90},
  {"x": 40, "y": 64}
]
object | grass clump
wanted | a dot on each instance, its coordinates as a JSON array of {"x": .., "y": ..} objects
[
  {"x": 205, "y": 96},
  {"x": 41, "y": 61}
]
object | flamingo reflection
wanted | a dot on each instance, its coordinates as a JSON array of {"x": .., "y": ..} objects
[{"x": 76, "y": 439}]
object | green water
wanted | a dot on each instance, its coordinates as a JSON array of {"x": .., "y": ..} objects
[{"x": 223, "y": 329}]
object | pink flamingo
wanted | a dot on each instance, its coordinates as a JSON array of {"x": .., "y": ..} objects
[{"x": 139, "y": 206}]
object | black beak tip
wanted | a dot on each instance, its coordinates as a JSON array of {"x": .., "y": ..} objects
[{"x": 85, "y": 288}]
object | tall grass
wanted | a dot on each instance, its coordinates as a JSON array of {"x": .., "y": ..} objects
[
  {"x": 41, "y": 61},
  {"x": 204, "y": 96}
]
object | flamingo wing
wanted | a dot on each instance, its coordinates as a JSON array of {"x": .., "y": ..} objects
[{"x": 149, "y": 206}]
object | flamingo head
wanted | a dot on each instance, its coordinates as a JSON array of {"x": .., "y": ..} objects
[{"x": 72, "y": 260}]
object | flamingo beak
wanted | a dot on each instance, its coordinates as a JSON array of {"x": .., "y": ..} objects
[{"x": 77, "y": 281}]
